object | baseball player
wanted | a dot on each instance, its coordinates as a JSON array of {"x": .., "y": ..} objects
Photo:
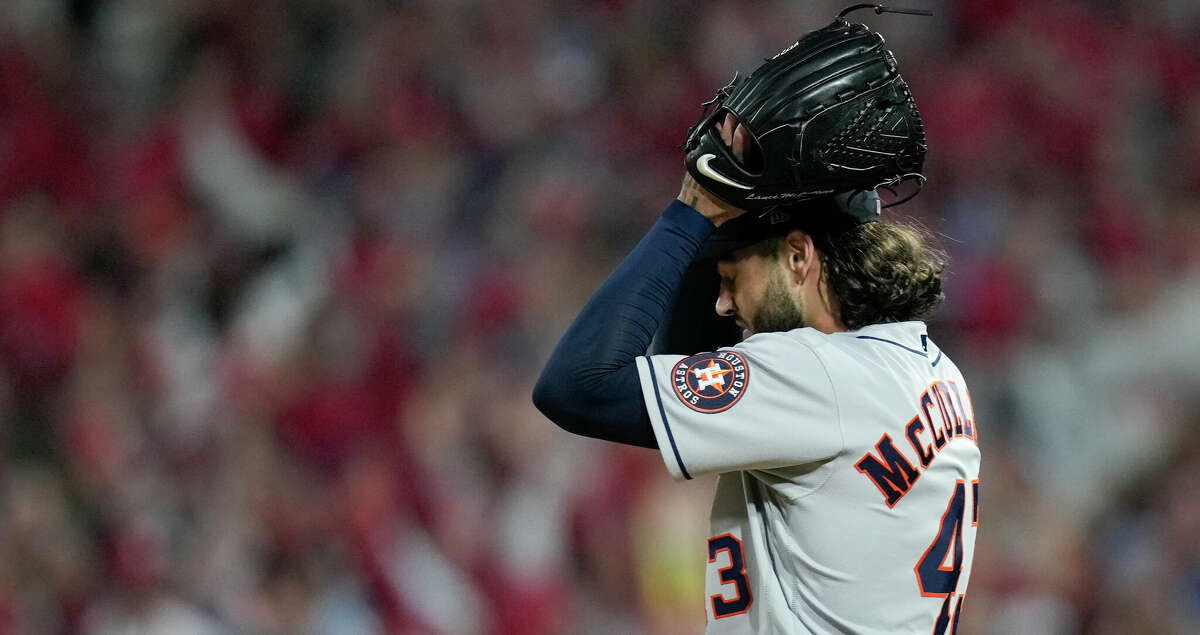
[{"x": 844, "y": 436}]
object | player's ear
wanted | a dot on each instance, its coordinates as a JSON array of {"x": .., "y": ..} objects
[{"x": 800, "y": 254}]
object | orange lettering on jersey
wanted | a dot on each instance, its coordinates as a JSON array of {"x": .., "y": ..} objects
[
  {"x": 954, "y": 424},
  {"x": 891, "y": 471},
  {"x": 925, "y": 452},
  {"x": 939, "y": 439},
  {"x": 971, "y": 427}
]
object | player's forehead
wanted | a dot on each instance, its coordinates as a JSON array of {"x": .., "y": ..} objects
[
  {"x": 728, "y": 267},
  {"x": 738, "y": 259}
]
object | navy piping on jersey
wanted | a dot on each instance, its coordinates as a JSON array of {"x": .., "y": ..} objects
[
  {"x": 939, "y": 358},
  {"x": 880, "y": 339},
  {"x": 666, "y": 426}
]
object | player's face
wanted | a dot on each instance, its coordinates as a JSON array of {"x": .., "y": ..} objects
[{"x": 755, "y": 291}]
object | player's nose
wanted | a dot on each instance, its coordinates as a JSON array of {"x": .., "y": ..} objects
[{"x": 725, "y": 306}]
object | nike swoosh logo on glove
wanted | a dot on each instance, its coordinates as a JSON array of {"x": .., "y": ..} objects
[{"x": 704, "y": 168}]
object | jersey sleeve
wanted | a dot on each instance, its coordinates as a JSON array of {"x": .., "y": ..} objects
[{"x": 768, "y": 402}]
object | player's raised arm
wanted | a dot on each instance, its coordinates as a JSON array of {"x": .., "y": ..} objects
[{"x": 590, "y": 384}]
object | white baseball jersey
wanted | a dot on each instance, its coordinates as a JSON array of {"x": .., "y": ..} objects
[{"x": 848, "y": 496}]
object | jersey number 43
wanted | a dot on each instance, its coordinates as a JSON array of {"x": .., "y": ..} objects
[
  {"x": 734, "y": 574},
  {"x": 934, "y": 578}
]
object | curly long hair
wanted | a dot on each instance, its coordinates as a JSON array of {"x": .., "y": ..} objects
[
  {"x": 878, "y": 272},
  {"x": 881, "y": 272}
]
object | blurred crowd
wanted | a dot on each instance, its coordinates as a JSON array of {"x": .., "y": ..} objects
[{"x": 276, "y": 279}]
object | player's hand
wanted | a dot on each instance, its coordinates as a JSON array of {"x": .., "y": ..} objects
[{"x": 694, "y": 194}]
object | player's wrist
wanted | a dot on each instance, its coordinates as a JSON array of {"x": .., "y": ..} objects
[{"x": 714, "y": 209}]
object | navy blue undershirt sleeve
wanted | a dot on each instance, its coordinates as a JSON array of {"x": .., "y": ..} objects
[
  {"x": 590, "y": 384},
  {"x": 692, "y": 325}
]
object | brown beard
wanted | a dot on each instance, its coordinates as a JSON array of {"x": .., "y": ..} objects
[{"x": 778, "y": 311}]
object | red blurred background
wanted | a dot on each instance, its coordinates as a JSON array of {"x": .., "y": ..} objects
[{"x": 276, "y": 279}]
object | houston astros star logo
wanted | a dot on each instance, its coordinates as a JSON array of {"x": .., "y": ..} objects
[
  {"x": 710, "y": 382},
  {"x": 711, "y": 375}
]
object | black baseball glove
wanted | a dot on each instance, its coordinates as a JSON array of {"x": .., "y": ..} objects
[{"x": 828, "y": 115}]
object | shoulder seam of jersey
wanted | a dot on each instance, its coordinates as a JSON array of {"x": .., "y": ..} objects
[
  {"x": 893, "y": 343},
  {"x": 812, "y": 340},
  {"x": 808, "y": 336},
  {"x": 663, "y": 413}
]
